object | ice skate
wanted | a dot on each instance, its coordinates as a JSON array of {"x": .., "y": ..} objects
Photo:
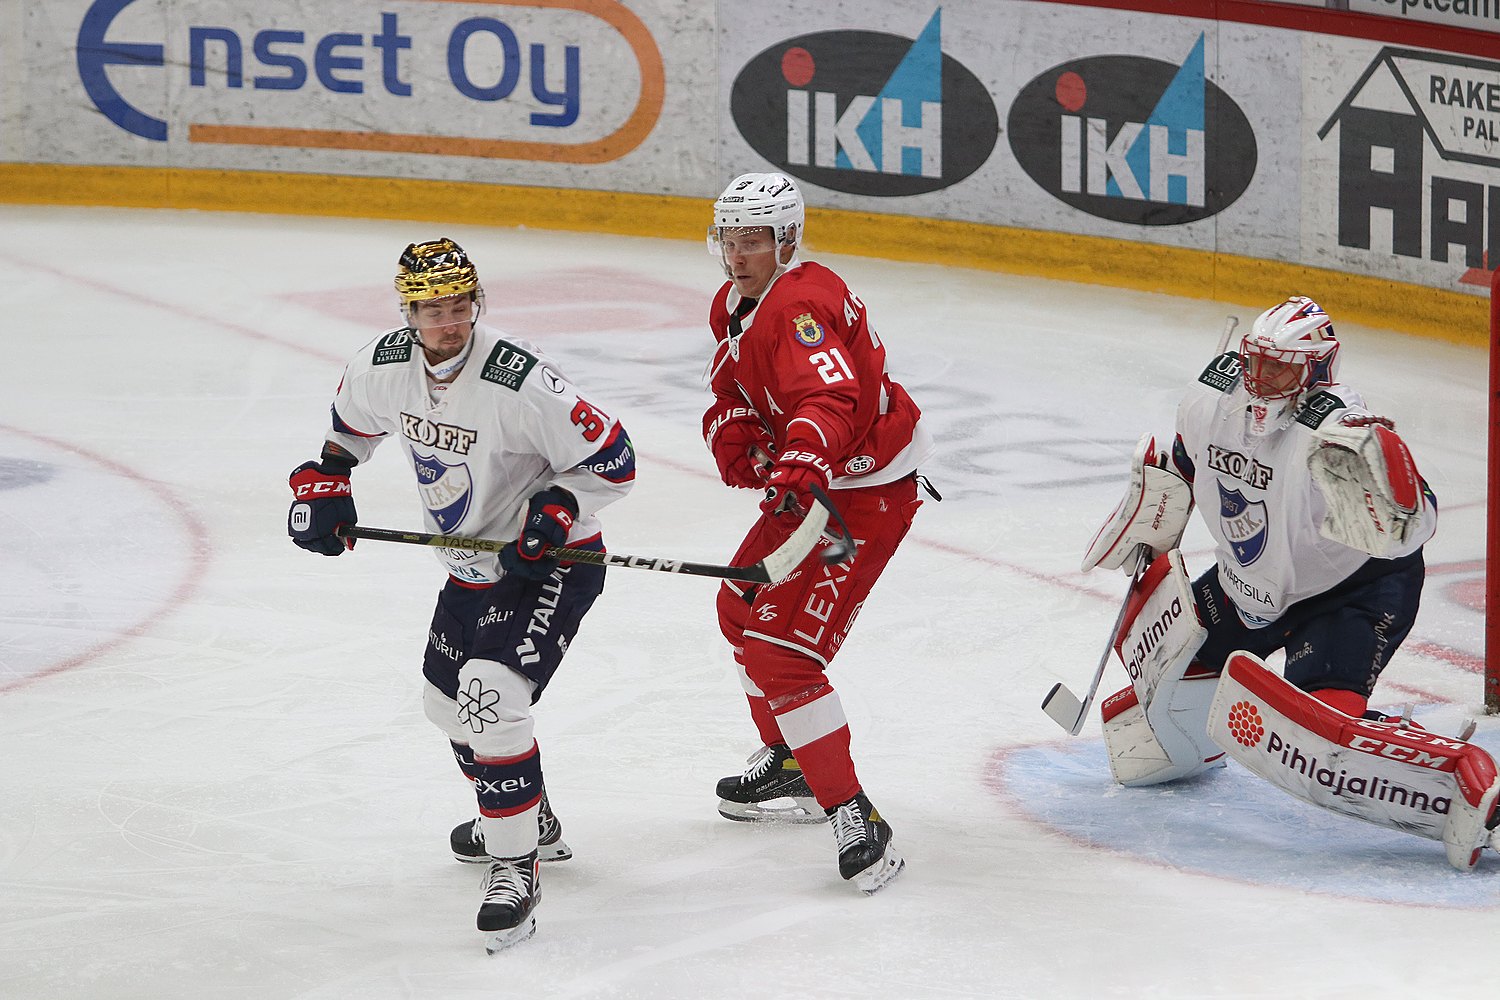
[
  {"x": 772, "y": 790},
  {"x": 507, "y": 914},
  {"x": 467, "y": 839},
  {"x": 866, "y": 856}
]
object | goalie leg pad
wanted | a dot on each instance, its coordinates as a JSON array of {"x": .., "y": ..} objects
[
  {"x": 1154, "y": 511},
  {"x": 1405, "y": 779},
  {"x": 1156, "y": 730},
  {"x": 1137, "y": 757}
]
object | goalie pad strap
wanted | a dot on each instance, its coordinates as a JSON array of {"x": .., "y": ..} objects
[{"x": 1404, "y": 779}]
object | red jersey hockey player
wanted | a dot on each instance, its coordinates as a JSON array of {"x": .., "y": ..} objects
[{"x": 801, "y": 399}]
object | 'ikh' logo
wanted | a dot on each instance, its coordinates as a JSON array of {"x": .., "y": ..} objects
[
  {"x": 1131, "y": 139},
  {"x": 866, "y": 112}
]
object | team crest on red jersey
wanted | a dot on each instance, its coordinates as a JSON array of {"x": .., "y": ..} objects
[{"x": 809, "y": 332}]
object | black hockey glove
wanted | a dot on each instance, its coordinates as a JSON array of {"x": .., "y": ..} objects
[
  {"x": 549, "y": 518},
  {"x": 322, "y": 500}
]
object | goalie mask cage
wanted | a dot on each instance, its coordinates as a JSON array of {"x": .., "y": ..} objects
[{"x": 1492, "y": 519}]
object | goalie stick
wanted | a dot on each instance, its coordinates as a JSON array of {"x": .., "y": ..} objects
[
  {"x": 771, "y": 569},
  {"x": 1063, "y": 705}
]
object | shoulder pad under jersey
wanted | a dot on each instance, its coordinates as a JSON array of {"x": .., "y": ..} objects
[
  {"x": 1316, "y": 408},
  {"x": 507, "y": 365},
  {"x": 1222, "y": 372},
  {"x": 394, "y": 348}
]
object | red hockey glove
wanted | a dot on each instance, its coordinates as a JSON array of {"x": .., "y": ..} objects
[
  {"x": 735, "y": 434},
  {"x": 549, "y": 517},
  {"x": 792, "y": 479},
  {"x": 322, "y": 500}
]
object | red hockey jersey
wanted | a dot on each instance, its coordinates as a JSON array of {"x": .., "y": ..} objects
[{"x": 807, "y": 361}]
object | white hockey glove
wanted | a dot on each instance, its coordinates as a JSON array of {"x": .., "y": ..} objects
[
  {"x": 1153, "y": 513},
  {"x": 1369, "y": 482}
]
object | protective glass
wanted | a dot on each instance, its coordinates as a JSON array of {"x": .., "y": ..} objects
[{"x": 724, "y": 241}]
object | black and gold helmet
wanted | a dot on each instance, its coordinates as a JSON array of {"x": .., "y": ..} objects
[{"x": 433, "y": 270}]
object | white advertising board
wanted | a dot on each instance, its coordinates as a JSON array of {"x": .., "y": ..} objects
[
  {"x": 583, "y": 94},
  {"x": 1401, "y": 163},
  {"x": 1477, "y": 15},
  {"x": 1042, "y": 116}
]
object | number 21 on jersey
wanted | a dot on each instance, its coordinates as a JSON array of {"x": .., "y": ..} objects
[{"x": 831, "y": 365}]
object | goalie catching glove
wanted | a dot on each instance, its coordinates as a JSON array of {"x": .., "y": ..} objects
[
  {"x": 1370, "y": 483},
  {"x": 1153, "y": 513}
]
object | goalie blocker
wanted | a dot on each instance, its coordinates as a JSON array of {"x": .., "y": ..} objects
[
  {"x": 1406, "y": 779},
  {"x": 1154, "y": 511}
]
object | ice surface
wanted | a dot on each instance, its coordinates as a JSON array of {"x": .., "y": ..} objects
[{"x": 218, "y": 782}]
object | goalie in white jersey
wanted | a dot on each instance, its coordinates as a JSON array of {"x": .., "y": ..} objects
[
  {"x": 500, "y": 443},
  {"x": 1319, "y": 516}
]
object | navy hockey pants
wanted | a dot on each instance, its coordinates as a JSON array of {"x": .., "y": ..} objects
[{"x": 1340, "y": 639}]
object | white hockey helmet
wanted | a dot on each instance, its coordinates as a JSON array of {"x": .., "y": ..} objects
[
  {"x": 754, "y": 200},
  {"x": 1289, "y": 349}
]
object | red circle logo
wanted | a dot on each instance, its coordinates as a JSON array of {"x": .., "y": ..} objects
[
  {"x": 797, "y": 66},
  {"x": 1245, "y": 723}
]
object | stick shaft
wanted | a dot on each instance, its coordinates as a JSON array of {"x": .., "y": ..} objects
[
  {"x": 772, "y": 568},
  {"x": 748, "y": 574},
  {"x": 1064, "y": 707}
]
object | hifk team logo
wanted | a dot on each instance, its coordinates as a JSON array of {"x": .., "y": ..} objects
[
  {"x": 1134, "y": 140},
  {"x": 447, "y": 490},
  {"x": 1244, "y": 522},
  {"x": 866, "y": 112}
]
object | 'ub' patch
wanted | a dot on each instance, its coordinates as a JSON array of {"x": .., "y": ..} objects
[
  {"x": 1244, "y": 523},
  {"x": 447, "y": 490},
  {"x": 809, "y": 332}
]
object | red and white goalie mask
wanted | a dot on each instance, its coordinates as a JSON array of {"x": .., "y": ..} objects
[{"x": 1290, "y": 349}]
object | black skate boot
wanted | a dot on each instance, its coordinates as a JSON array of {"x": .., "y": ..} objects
[
  {"x": 772, "y": 790},
  {"x": 467, "y": 839},
  {"x": 512, "y": 889},
  {"x": 866, "y": 856}
]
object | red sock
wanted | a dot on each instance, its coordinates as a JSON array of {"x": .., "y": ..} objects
[{"x": 1348, "y": 702}]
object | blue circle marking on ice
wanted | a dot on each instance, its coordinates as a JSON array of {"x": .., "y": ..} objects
[
  {"x": 19, "y": 473},
  {"x": 1228, "y": 823}
]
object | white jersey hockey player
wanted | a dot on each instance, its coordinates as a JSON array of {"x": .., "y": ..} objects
[
  {"x": 500, "y": 443},
  {"x": 1319, "y": 516}
]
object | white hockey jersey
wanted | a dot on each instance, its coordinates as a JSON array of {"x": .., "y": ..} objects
[
  {"x": 509, "y": 425},
  {"x": 1257, "y": 497}
]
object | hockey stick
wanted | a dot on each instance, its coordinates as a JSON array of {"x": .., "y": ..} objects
[
  {"x": 771, "y": 569},
  {"x": 1063, "y": 705},
  {"x": 1230, "y": 322}
]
